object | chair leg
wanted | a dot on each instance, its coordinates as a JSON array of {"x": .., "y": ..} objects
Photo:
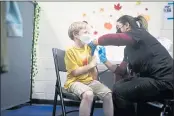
[
  {"x": 136, "y": 109},
  {"x": 55, "y": 103},
  {"x": 62, "y": 105},
  {"x": 92, "y": 108}
]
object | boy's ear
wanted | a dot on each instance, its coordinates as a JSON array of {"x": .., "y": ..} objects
[{"x": 75, "y": 34}]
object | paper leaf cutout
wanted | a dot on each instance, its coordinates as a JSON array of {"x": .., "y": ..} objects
[
  {"x": 84, "y": 14},
  {"x": 95, "y": 33},
  {"x": 108, "y": 25},
  {"x": 101, "y": 9},
  {"x": 147, "y": 17},
  {"x": 138, "y": 2},
  {"x": 117, "y": 6}
]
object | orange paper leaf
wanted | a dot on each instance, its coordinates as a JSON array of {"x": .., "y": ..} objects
[
  {"x": 108, "y": 25},
  {"x": 101, "y": 9},
  {"x": 147, "y": 17}
]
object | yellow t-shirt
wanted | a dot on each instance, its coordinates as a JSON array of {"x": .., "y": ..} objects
[{"x": 75, "y": 58}]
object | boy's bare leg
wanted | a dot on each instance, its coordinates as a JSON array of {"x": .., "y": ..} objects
[
  {"x": 108, "y": 105},
  {"x": 85, "y": 105}
]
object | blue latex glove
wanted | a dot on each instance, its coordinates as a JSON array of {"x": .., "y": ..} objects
[
  {"x": 93, "y": 47},
  {"x": 102, "y": 54}
]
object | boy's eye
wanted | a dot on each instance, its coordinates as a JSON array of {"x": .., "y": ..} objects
[{"x": 86, "y": 32}]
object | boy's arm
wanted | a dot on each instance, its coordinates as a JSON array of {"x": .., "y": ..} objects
[
  {"x": 94, "y": 73},
  {"x": 82, "y": 70},
  {"x": 72, "y": 66}
]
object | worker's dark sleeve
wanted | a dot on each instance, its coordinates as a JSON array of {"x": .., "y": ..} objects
[
  {"x": 116, "y": 39},
  {"x": 121, "y": 71}
]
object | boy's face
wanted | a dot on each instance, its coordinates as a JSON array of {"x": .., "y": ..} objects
[
  {"x": 84, "y": 35},
  {"x": 83, "y": 31}
]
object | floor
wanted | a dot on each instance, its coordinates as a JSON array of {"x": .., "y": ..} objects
[{"x": 44, "y": 110}]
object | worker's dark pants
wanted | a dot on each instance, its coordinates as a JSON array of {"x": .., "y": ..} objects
[{"x": 137, "y": 89}]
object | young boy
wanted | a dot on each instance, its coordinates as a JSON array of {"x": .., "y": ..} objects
[{"x": 82, "y": 74}]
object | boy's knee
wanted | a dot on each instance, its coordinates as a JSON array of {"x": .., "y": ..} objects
[
  {"x": 88, "y": 96},
  {"x": 108, "y": 96}
]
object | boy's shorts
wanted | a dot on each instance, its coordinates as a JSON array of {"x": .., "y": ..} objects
[{"x": 95, "y": 86}]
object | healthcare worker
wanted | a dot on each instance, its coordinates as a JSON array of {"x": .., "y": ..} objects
[{"x": 150, "y": 62}]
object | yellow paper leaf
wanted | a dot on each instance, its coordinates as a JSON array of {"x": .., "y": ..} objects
[
  {"x": 138, "y": 2},
  {"x": 84, "y": 14}
]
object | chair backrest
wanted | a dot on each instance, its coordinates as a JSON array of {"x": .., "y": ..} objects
[{"x": 59, "y": 62}]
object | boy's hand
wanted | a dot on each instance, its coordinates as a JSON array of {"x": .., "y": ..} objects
[
  {"x": 93, "y": 62},
  {"x": 93, "y": 47},
  {"x": 102, "y": 54}
]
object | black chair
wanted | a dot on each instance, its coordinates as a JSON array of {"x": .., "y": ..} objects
[
  {"x": 59, "y": 90},
  {"x": 166, "y": 105}
]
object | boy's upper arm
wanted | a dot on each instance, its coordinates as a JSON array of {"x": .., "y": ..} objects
[{"x": 70, "y": 61}]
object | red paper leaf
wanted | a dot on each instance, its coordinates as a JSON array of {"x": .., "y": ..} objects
[
  {"x": 95, "y": 33},
  {"x": 117, "y": 6}
]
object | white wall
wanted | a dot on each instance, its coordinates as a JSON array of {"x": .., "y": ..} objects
[
  {"x": 167, "y": 28},
  {"x": 56, "y": 18}
]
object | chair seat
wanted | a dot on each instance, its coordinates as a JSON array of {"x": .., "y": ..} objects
[
  {"x": 69, "y": 95},
  {"x": 156, "y": 104},
  {"x": 72, "y": 96},
  {"x": 160, "y": 104}
]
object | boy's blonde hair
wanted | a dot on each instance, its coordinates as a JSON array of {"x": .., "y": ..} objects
[{"x": 75, "y": 27}]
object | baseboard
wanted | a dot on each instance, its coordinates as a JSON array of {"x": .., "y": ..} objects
[
  {"x": 67, "y": 102},
  {"x": 18, "y": 106}
]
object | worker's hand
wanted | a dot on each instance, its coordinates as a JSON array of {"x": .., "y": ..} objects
[
  {"x": 102, "y": 54},
  {"x": 93, "y": 62},
  {"x": 93, "y": 47}
]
